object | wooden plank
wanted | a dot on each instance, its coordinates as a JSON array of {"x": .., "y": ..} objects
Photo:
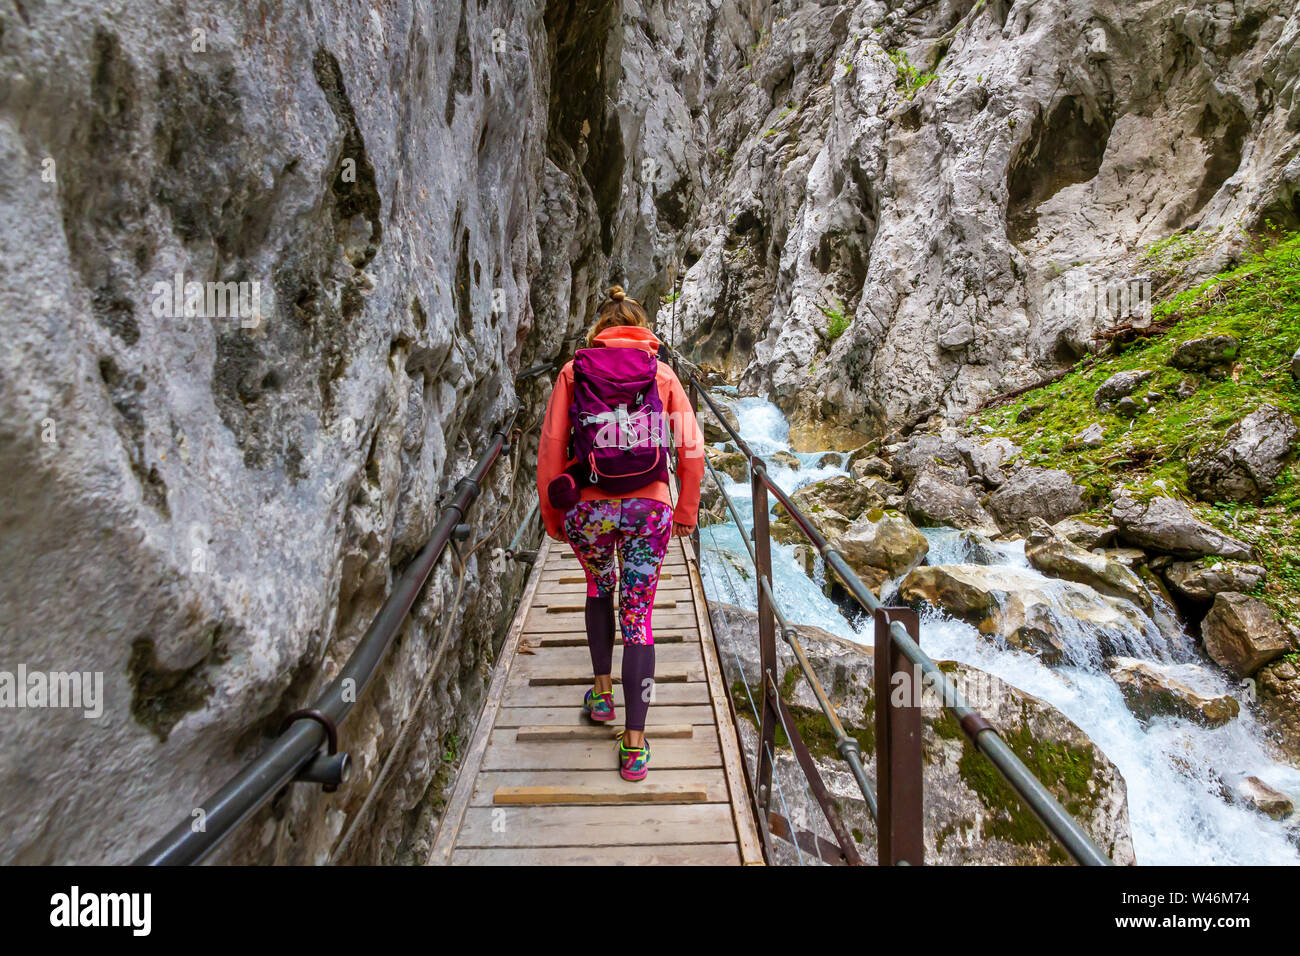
[
  {"x": 565, "y": 576},
  {"x": 453, "y": 814},
  {"x": 526, "y": 695},
  {"x": 504, "y": 753},
  {"x": 581, "y": 608},
  {"x": 574, "y": 715},
  {"x": 579, "y": 639},
  {"x": 711, "y": 779},
  {"x": 579, "y": 657},
  {"x": 751, "y": 847},
  {"x": 535, "y": 733},
  {"x": 695, "y": 854},
  {"x": 565, "y": 675},
  {"x": 597, "y": 795},
  {"x": 638, "y": 825},
  {"x": 540, "y": 622}
]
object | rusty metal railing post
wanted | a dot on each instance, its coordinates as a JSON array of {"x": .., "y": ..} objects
[
  {"x": 899, "y": 787},
  {"x": 766, "y": 635},
  {"x": 693, "y": 394}
]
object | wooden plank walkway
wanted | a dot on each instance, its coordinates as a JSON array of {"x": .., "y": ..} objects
[{"x": 540, "y": 783}]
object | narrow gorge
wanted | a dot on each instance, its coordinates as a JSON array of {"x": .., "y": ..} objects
[{"x": 1006, "y": 292}]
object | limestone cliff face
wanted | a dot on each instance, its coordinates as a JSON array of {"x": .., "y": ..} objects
[
  {"x": 209, "y": 510},
  {"x": 962, "y": 180}
]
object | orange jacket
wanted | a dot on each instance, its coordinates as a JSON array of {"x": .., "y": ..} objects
[{"x": 553, "y": 455}]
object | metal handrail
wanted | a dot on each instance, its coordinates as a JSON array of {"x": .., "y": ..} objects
[
  {"x": 298, "y": 746},
  {"x": 1059, "y": 824}
]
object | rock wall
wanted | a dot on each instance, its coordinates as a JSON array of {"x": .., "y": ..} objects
[
  {"x": 209, "y": 510},
  {"x": 906, "y": 208}
]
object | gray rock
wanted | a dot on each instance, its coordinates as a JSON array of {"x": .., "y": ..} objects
[
  {"x": 714, "y": 432},
  {"x": 1155, "y": 690},
  {"x": 827, "y": 521},
  {"x": 1167, "y": 525},
  {"x": 1258, "y": 795},
  {"x": 870, "y": 467},
  {"x": 1295, "y": 365},
  {"x": 1032, "y": 615},
  {"x": 1094, "y": 436},
  {"x": 839, "y": 493},
  {"x": 730, "y": 463},
  {"x": 933, "y": 502},
  {"x": 1120, "y": 385},
  {"x": 953, "y": 804},
  {"x": 985, "y": 461},
  {"x": 1245, "y": 466},
  {"x": 1057, "y": 556},
  {"x": 227, "y": 498},
  {"x": 832, "y": 459},
  {"x": 1201, "y": 581},
  {"x": 1129, "y": 407},
  {"x": 1278, "y": 685},
  {"x": 881, "y": 545},
  {"x": 1204, "y": 354},
  {"x": 786, "y": 459},
  {"x": 1086, "y": 534},
  {"x": 1241, "y": 634},
  {"x": 1045, "y": 493},
  {"x": 922, "y": 451}
]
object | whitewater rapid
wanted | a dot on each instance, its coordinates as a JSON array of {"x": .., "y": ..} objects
[{"x": 1176, "y": 771}]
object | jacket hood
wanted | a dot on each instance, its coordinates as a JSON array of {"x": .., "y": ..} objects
[{"x": 629, "y": 337}]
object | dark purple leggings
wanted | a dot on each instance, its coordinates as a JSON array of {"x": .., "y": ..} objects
[{"x": 638, "y": 659}]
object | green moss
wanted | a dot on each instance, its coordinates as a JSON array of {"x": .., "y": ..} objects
[
  {"x": 1062, "y": 768},
  {"x": 1259, "y": 304},
  {"x": 837, "y": 323},
  {"x": 810, "y": 723}
]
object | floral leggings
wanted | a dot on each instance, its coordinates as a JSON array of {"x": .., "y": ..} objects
[{"x": 640, "y": 529}]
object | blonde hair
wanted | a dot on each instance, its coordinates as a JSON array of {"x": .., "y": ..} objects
[{"x": 618, "y": 309}]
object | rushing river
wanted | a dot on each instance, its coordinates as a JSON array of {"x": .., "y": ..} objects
[{"x": 1176, "y": 770}]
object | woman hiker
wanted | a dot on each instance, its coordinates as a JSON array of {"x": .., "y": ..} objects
[{"x": 602, "y": 474}]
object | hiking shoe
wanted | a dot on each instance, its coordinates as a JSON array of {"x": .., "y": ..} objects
[
  {"x": 633, "y": 761},
  {"x": 599, "y": 707}
]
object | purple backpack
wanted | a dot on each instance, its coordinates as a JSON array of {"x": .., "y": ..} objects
[{"x": 619, "y": 434}]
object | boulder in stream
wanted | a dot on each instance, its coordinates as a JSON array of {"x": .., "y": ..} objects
[
  {"x": 1200, "y": 580},
  {"x": 1046, "y": 493},
  {"x": 730, "y": 463},
  {"x": 1156, "y": 690},
  {"x": 932, "y": 502},
  {"x": 971, "y": 815},
  {"x": 785, "y": 458},
  {"x": 1241, "y": 634},
  {"x": 1061, "y": 621},
  {"x": 881, "y": 545},
  {"x": 1057, "y": 556},
  {"x": 839, "y": 493},
  {"x": 1259, "y": 796}
]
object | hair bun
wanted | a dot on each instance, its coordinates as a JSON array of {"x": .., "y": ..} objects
[{"x": 616, "y": 293}]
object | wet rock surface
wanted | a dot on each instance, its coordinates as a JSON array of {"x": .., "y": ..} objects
[
  {"x": 1152, "y": 690},
  {"x": 1241, "y": 634},
  {"x": 970, "y": 816}
]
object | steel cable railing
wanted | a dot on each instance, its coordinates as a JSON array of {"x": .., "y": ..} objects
[
  {"x": 896, "y": 802},
  {"x": 295, "y": 753}
]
